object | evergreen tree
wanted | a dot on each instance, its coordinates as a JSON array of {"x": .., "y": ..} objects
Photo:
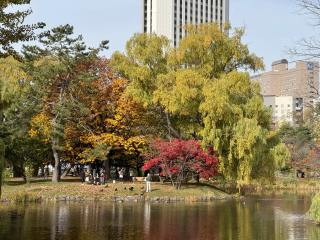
[{"x": 12, "y": 29}]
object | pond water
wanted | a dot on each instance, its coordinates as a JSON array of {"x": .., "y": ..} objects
[{"x": 271, "y": 216}]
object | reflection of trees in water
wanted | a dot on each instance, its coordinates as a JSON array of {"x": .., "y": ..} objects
[
  {"x": 120, "y": 218},
  {"x": 270, "y": 216},
  {"x": 63, "y": 219},
  {"x": 84, "y": 216},
  {"x": 291, "y": 222}
]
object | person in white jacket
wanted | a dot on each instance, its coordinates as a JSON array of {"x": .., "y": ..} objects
[{"x": 148, "y": 180}]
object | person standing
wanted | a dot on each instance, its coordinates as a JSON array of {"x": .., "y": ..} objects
[
  {"x": 97, "y": 179},
  {"x": 102, "y": 171},
  {"x": 46, "y": 172},
  {"x": 121, "y": 172},
  {"x": 91, "y": 179},
  {"x": 83, "y": 176},
  {"x": 39, "y": 173},
  {"x": 148, "y": 180},
  {"x": 131, "y": 175}
]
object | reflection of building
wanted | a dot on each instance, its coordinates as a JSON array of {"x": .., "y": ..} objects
[
  {"x": 167, "y": 17},
  {"x": 284, "y": 109},
  {"x": 301, "y": 81}
]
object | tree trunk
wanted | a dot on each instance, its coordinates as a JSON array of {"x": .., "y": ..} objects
[
  {"x": 195, "y": 178},
  {"x": 66, "y": 171},
  {"x": 107, "y": 169},
  {"x": 89, "y": 169},
  {"x": 170, "y": 129},
  {"x": 57, "y": 169}
]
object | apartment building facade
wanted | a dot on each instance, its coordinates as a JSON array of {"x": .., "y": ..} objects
[
  {"x": 284, "y": 109},
  {"x": 167, "y": 17},
  {"x": 299, "y": 82}
]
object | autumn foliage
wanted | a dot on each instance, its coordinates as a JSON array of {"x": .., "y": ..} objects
[
  {"x": 179, "y": 159},
  {"x": 311, "y": 162}
]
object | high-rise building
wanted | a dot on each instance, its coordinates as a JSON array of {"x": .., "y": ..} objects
[
  {"x": 301, "y": 81},
  {"x": 167, "y": 17}
]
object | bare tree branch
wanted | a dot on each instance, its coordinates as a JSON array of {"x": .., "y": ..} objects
[{"x": 307, "y": 48}]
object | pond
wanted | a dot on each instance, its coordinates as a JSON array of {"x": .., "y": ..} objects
[{"x": 270, "y": 216}]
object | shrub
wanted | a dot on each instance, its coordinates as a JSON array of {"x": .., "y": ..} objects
[
  {"x": 6, "y": 174},
  {"x": 314, "y": 211},
  {"x": 28, "y": 173},
  {"x": 290, "y": 181}
]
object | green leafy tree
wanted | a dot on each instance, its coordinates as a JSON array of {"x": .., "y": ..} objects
[
  {"x": 208, "y": 49},
  {"x": 12, "y": 29},
  {"x": 57, "y": 71},
  {"x": 146, "y": 58},
  {"x": 171, "y": 81},
  {"x": 16, "y": 116},
  {"x": 11, "y": 77},
  {"x": 11, "y": 83},
  {"x": 299, "y": 141},
  {"x": 197, "y": 93},
  {"x": 314, "y": 211},
  {"x": 312, "y": 119},
  {"x": 2, "y": 163},
  {"x": 237, "y": 126}
]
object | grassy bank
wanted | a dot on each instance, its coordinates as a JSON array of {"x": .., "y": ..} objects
[
  {"x": 15, "y": 190},
  {"x": 280, "y": 184}
]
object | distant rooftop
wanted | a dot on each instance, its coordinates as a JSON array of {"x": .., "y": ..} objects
[{"x": 282, "y": 61}]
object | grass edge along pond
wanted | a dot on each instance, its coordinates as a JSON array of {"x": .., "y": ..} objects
[{"x": 75, "y": 191}]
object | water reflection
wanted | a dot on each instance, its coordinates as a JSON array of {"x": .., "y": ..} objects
[
  {"x": 255, "y": 217},
  {"x": 147, "y": 218}
]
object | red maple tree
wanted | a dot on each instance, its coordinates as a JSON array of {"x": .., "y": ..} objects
[{"x": 181, "y": 159}]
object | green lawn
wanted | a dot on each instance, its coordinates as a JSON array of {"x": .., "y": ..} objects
[{"x": 16, "y": 190}]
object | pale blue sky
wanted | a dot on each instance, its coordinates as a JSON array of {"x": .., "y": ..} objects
[{"x": 271, "y": 24}]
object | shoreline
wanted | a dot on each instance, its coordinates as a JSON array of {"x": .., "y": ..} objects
[
  {"x": 118, "y": 199},
  {"x": 72, "y": 190}
]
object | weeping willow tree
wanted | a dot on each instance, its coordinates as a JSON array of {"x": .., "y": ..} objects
[
  {"x": 2, "y": 163},
  {"x": 236, "y": 124},
  {"x": 11, "y": 78},
  {"x": 197, "y": 92}
]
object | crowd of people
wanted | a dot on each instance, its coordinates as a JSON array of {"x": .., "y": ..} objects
[{"x": 96, "y": 176}]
